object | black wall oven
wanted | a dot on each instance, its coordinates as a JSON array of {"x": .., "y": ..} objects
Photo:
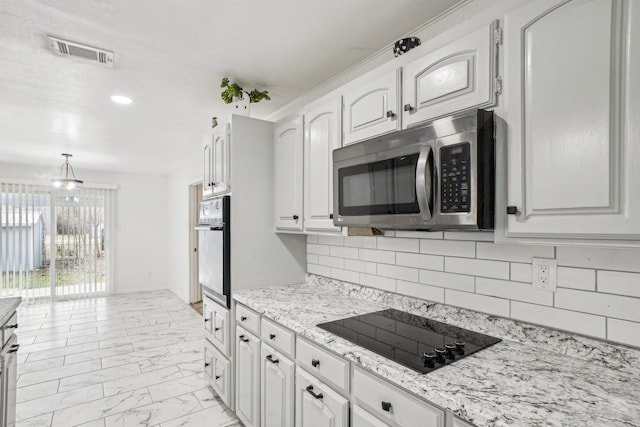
[
  {"x": 433, "y": 177},
  {"x": 214, "y": 239}
]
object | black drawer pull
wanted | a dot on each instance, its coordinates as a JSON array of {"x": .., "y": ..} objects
[
  {"x": 14, "y": 348},
  {"x": 310, "y": 390},
  {"x": 243, "y": 318},
  {"x": 206, "y": 320},
  {"x": 315, "y": 363},
  {"x": 272, "y": 360},
  {"x": 217, "y": 377},
  {"x": 512, "y": 210},
  {"x": 206, "y": 364},
  {"x": 14, "y": 326},
  {"x": 295, "y": 217},
  {"x": 391, "y": 114},
  {"x": 386, "y": 406},
  {"x": 216, "y": 329},
  {"x": 272, "y": 336},
  {"x": 408, "y": 107},
  {"x": 243, "y": 339}
]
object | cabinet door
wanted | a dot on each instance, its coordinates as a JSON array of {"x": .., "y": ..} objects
[
  {"x": 217, "y": 371},
  {"x": 276, "y": 386},
  {"x": 372, "y": 107},
  {"x": 221, "y": 159},
  {"x": 321, "y": 137},
  {"x": 216, "y": 324},
  {"x": 456, "y": 77},
  {"x": 247, "y": 378},
  {"x": 361, "y": 418},
  {"x": 572, "y": 103},
  {"x": 207, "y": 158},
  {"x": 317, "y": 405},
  {"x": 288, "y": 140}
]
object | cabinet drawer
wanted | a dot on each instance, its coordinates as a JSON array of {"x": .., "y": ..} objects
[
  {"x": 9, "y": 328},
  {"x": 361, "y": 418},
  {"x": 317, "y": 404},
  {"x": 391, "y": 404},
  {"x": 217, "y": 371},
  {"x": 216, "y": 324},
  {"x": 249, "y": 319},
  {"x": 323, "y": 364},
  {"x": 279, "y": 337}
]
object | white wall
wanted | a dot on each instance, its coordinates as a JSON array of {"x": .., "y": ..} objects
[{"x": 141, "y": 230}]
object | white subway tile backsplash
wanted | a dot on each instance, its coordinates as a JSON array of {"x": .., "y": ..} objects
[
  {"x": 418, "y": 290},
  {"x": 577, "y": 278},
  {"x": 476, "y": 236},
  {"x": 360, "y": 241},
  {"x": 515, "y": 253},
  {"x": 398, "y": 272},
  {"x": 420, "y": 234},
  {"x": 399, "y": 244},
  {"x": 448, "y": 247},
  {"x": 330, "y": 240},
  {"x": 387, "y": 257},
  {"x": 460, "y": 282},
  {"x": 345, "y": 275},
  {"x": 600, "y": 258},
  {"x": 321, "y": 270},
  {"x": 616, "y": 282},
  {"x": 379, "y": 282},
  {"x": 477, "y": 267},
  {"x": 317, "y": 249},
  {"x": 581, "y": 323},
  {"x": 623, "y": 332},
  {"x": 598, "y": 288},
  {"x": 619, "y": 307},
  {"x": 520, "y": 272},
  {"x": 485, "y": 304},
  {"x": 360, "y": 266},
  {"x": 330, "y": 261},
  {"x": 513, "y": 291},
  {"x": 429, "y": 262},
  {"x": 344, "y": 252}
]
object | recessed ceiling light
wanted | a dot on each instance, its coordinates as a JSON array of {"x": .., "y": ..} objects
[{"x": 120, "y": 99}]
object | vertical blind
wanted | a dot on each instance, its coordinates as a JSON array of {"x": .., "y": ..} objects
[{"x": 55, "y": 244}]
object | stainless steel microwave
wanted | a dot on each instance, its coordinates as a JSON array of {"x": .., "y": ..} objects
[{"x": 437, "y": 176}]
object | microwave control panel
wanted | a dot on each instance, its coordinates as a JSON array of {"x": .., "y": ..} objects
[{"x": 455, "y": 178}]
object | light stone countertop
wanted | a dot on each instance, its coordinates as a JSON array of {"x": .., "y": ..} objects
[{"x": 534, "y": 377}]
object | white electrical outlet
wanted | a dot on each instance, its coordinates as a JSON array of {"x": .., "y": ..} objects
[{"x": 544, "y": 272}]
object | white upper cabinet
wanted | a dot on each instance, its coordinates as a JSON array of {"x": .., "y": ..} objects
[
  {"x": 321, "y": 137},
  {"x": 372, "y": 107},
  {"x": 458, "y": 76},
  {"x": 216, "y": 162},
  {"x": 572, "y": 109},
  {"x": 288, "y": 140}
]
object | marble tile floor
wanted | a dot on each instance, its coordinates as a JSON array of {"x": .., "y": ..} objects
[{"x": 121, "y": 360}]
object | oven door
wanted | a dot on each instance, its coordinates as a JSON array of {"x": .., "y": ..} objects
[
  {"x": 384, "y": 189},
  {"x": 213, "y": 262}
]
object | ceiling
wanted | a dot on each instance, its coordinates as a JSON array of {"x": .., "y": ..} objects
[{"x": 169, "y": 58}]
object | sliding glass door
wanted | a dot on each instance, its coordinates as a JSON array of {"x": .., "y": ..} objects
[{"x": 53, "y": 243}]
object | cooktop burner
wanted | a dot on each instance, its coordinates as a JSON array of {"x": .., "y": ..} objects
[{"x": 413, "y": 341}]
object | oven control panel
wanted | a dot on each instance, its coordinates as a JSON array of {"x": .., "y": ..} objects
[{"x": 455, "y": 178}]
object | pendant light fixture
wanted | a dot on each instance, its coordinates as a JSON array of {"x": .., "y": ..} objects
[{"x": 64, "y": 180}]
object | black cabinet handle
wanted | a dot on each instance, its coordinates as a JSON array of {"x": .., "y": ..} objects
[
  {"x": 408, "y": 107},
  {"x": 295, "y": 217},
  {"x": 206, "y": 320},
  {"x": 216, "y": 329},
  {"x": 386, "y": 406},
  {"x": 272, "y": 360},
  {"x": 206, "y": 364},
  {"x": 315, "y": 363},
  {"x": 14, "y": 326},
  {"x": 330, "y": 216},
  {"x": 310, "y": 390},
  {"x": 243, "y": 339},
  {"x": 512, "y": 210},
  {"x": 14, "y": 348},
  {"x": 272, "y": 336},
  {"x": 217, "y": 377},
  {"x": 243, "y": 318},
  {"x": 391, "y": 114}
]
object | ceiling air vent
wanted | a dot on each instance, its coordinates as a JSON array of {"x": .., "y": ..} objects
[{"x": 66, "y": 47}]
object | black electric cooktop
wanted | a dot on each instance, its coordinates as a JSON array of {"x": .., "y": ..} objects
[{"x": 414, "y": 341}]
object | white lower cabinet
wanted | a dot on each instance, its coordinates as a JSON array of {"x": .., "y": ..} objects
[
  {"x": 391, "y": 404},
  {"x": 218, "y": 372},
  {"x": 247, "y": 377},
  {"x": 216, "y": 324},
  {"x": 276, "y": 388},
  {"x": 361, "y": 418},
  {"x": 317, "y": 405}
]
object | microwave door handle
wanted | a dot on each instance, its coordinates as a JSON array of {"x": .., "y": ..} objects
[{"x": 424, "y": 182}]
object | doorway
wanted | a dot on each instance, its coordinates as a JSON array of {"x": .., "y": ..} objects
[{"x": 195, "y": 289}]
